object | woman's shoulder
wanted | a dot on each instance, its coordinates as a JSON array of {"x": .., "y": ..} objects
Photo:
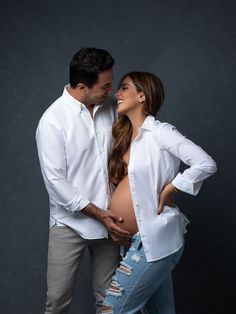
[
  {"x": 162, "y": 131},
  {"x": 160, "y": 126}
]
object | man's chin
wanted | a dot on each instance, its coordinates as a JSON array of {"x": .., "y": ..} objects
[{"x": 101, "y": 100}]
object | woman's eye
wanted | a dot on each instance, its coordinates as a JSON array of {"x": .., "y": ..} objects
[{"x": 124, "y": 87}]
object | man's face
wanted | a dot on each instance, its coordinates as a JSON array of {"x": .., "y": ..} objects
[{"x": 100, "y": 90}]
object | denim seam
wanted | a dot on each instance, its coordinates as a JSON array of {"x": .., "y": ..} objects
[{"x": 139, "y": 279}]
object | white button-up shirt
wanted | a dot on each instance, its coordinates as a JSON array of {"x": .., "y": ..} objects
[
  {"x": 155, "y": 157},
  {"x": 73, "y": 151}
]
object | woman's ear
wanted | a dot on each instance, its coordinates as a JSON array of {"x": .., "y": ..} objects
[{"x": 142, "y": 97}]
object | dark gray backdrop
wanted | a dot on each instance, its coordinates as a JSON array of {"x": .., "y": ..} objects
[{"x": 191, "y": 45}]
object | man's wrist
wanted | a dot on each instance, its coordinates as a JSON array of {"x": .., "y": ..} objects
[{"x": 92, "y": 211}]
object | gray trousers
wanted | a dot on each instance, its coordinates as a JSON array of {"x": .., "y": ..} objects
[{"x": 65, "y": 252}]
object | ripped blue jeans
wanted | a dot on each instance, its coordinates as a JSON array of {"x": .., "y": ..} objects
[{"x": 138, "y": 284}]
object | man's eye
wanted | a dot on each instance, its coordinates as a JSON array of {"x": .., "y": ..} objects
[
  {"x": 106, "y": 87},
  {"x": 124, "y": 87}
]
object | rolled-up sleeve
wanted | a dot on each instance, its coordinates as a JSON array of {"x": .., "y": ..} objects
[
  {"x": 52, "y": 158},
  {"x": 201, "y": 165}
]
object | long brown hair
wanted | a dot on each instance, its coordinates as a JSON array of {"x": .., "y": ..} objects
[{"x": 152, "y": 87}]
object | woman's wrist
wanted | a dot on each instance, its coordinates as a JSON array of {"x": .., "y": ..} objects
[{"x": 174, "y": 189}]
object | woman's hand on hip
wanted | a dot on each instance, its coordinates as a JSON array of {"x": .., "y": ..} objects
[{"x": 167, "y": 197}]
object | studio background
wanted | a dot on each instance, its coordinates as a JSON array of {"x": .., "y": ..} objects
[{"x": 191, "y": 46}]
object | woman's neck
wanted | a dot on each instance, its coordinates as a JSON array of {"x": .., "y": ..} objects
[{"x": 136, "y": 122}]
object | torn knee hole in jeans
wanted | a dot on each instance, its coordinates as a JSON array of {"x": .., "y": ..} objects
[
  {"x": 107, "y": 308},
  {"x": 125, "y": 268},
  {"x": 134, "y": 256},
  {"x": 115, "y": 288}
]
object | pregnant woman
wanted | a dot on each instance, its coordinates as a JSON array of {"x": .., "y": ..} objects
[{"x": 144, "y": 166}]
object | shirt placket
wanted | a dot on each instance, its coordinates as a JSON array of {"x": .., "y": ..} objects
[
  {"x": 134, "y": 191},
  {"x": 131, "y": 174},
  {"x": 99, "y": 149},
  {"x": 102, "y": 159}
]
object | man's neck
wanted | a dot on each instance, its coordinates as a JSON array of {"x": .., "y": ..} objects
[{"x": 74, "y": 93}]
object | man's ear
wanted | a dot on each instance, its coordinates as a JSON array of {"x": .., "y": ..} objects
[{"x": 82, "y": 87}]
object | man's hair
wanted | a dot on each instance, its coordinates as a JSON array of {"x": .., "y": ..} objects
[{"x": 86, "y": 65}]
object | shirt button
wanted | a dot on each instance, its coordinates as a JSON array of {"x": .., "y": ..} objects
[{"x": 142, "y": 236}]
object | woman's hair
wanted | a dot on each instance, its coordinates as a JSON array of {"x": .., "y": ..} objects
[{"x": 152, "y": 87}]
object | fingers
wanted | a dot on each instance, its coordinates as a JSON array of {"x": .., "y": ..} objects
[
  {"x": 114, "y": 216},
  {"x": 161, "y": 203},
  {"x": 124, "y": 243},
  {"x": 166, "y": 197},
  {"x": 167, "y": 201},
  {"x": 120, "y": 240},
  {"x": 160, "y": 209},
  {"x": 170, "y": 203},
  {"x": 119, "y": 231}
]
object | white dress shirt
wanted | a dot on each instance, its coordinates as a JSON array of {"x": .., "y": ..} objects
[
  {"x": 155, "y": 157},
  {"x": 73, "y": 151}
]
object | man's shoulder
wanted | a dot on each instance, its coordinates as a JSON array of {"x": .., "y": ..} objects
[
  {"x": 53, "y": 115},
  {"x": 54, "y": 109}
]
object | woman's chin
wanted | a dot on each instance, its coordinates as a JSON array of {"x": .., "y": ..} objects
[{"x": 120, "y": 111}]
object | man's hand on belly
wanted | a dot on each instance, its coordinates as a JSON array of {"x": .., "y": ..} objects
[{"x": 108, "y": 219}]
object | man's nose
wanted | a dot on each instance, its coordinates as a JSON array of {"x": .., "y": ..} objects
[{"x": 109, "y": 89}]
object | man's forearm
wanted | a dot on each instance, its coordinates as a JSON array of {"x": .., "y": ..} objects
[{"x": 93, "y": 211}]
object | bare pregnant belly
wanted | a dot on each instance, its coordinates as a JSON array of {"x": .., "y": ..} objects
[{"x": 122, "y": 205}]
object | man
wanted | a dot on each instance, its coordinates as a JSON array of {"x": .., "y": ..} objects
[{"x": 73, "y": 140}]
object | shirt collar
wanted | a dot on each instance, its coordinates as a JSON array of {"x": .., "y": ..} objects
[
  {"x": 71, "y": 99},
  {"x": 76, "y": 102},
  {"x": 148, "y": 123}
]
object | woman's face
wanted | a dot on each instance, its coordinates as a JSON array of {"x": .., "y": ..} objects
[{"x": 129, "y": 100}]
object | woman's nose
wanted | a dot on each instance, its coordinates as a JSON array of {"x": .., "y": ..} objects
[{"x": 117, "y": 94}]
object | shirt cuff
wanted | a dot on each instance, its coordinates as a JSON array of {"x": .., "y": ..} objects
[
  {"x": 186, "y": 186},
  {"x": 77, "y": 204}
]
